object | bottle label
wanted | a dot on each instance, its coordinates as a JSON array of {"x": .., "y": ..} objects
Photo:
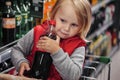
[
  {"x": 25, "y": 17},
  {"x": 18, "y": 20},
  {"x": 8, "y": 23}
]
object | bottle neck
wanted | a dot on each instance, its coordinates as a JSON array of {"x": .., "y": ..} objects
[
  {"x": 8, "y": 8},
  {"x": 22, "y": 6},
  {"x": 21, "y": 2},
  {"x": 16, "y": 7},
  {"x": 15, "y": 2},
  {"x": 27, "y": 4}
]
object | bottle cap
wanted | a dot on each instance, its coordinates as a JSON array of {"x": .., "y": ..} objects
[
  {"x": 47, "y": 23},
  {"x": 52, "y": 22},
  {"x": 8, "y": 3}
]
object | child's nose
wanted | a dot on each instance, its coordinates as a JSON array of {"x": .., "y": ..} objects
[{"x": 67, "y": 27}]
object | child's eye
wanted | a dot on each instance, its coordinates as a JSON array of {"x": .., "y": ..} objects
[
  {"x": 74, "y": 25},
  {"x": 62, "y": 20}
]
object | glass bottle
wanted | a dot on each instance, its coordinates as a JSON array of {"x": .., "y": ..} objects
[
  {"x": 0, "y": 32},
  {"x": 42, "y": 60},
  {"x": 30, "y": 18},
  {"x": 8, "y": 24},
  {"x": 1, "y": 8},
  {"x": 18, "y": 18},
  {"x": 24, "y": 13}
]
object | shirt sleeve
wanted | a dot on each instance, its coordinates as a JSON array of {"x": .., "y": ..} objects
[
  {"x": 22, "y": 49},
  {"x": 69, "y": 67}
]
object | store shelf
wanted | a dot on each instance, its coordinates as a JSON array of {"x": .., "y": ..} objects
[
  {"x": 100, "y": 30},
  {"x": 102, "y": 66},
  {"x": 99, "y": 5},
  {"x": 114, "y": 49}
]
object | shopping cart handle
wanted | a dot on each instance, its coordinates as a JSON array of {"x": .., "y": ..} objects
[{"x": 104, "y": 59}]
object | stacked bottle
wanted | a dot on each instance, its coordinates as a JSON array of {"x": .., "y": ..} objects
[
  {"x": 24, "y": 13},
  {"x": 30, "y": 18},
  {"x": 24, "y": 20},
  {"x": 8, "y": 24},
  {"x": 0, "y": 22},
  {"x": 18, "y": 18}
]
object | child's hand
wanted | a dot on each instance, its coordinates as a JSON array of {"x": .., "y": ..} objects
[
  {"x": 49, "y": 45},
  {"x": 23, "y": 66},
  {"x": 12, "y": 77}
]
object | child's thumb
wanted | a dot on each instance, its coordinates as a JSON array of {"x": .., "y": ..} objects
[
  {"x": 58, "y": 39},
  {"x": 27, "y": 67}
]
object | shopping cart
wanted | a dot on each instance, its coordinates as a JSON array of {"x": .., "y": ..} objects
[{"x": 96, "y": 68}]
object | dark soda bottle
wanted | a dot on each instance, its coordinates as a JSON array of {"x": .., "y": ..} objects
[
  {"x": 0, "y": 22},
  {"x": 8, "y": 24},
  {"x": 42, "y": 60}
]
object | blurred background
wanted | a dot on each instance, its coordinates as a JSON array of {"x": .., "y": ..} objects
[{"x": 17, "y": 17}]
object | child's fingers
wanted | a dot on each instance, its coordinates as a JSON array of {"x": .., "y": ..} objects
[
  {"x": 58, "y": 39},
  {"x": 43, "y": 37},
  {"x": 27, "y": 67},
  {"x": 24, "y": 66},
  {"x": 21, "y": 71}
]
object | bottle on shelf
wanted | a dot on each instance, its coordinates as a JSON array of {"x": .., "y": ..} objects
[
  {"x": 93, "y": 2},
  {"x": 24, "y": 13},
  {"x": 114, "y": 37},
  {"x": 8, "y": 24},
  {"x": 48, "y": 4},
  {"x": 1, "y": 9},
  {"x": 18, "y": 18},
  {"x": 30, "y": 18},
  {"x": 109, "y": 12},
  {"x": 0, "y": 23},
  {"x": 101, "y": 16},
  {"x": 109, "y": 42},
  {"x": 119, "y": 37}
]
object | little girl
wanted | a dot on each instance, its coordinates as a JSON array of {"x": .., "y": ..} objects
[{"x": 73, "y": 21}]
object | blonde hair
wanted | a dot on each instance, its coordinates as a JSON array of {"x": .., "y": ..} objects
[{"x": 83, "y": 12}]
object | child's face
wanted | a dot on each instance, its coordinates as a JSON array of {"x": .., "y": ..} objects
[{"x": 66, "y": 21}]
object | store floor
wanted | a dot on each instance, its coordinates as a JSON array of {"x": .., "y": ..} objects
[{"x": 115, "y": 68}]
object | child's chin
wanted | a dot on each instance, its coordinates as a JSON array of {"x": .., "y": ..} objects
[{"x": 63, "y": 37}]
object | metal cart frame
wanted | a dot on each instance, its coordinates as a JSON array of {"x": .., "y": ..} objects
[{"x": 103, "y": 63}]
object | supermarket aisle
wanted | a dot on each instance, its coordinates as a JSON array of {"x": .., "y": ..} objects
[{"x": 115, "y": 66}]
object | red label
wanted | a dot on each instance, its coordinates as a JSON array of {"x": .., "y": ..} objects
[{"x": 8, "y": 23}]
